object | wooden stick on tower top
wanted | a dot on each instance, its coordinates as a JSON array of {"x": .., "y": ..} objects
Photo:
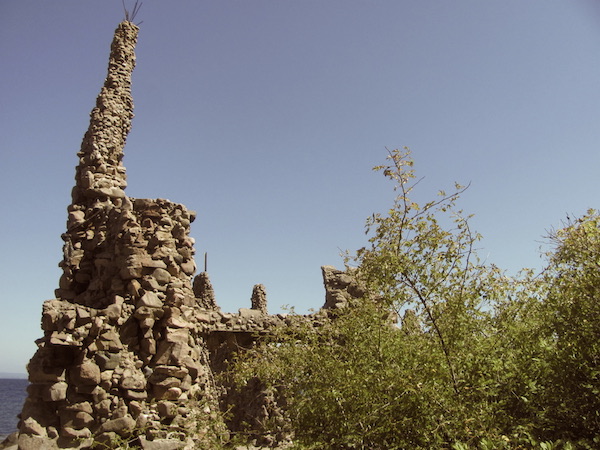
[{"x": 136, "y": 8}]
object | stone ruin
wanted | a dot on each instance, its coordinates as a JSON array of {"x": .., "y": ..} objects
[{"x": 132, "y": 341}]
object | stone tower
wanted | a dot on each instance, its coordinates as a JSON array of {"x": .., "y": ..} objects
[{"x": 122, "y": 348}]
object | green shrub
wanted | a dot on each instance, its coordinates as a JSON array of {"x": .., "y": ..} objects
[{"x": 476, "y": 359}]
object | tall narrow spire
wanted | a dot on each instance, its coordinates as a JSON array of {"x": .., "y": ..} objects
[
  {"x": 100, "y": 181},
  {"x": 100, "y": 172}
]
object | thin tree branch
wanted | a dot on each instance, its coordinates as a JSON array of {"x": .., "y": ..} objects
[{"x": 445, "y": 348}]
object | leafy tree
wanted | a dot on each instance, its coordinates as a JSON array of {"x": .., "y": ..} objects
[
  {"x": 572, "y": 315},
  {"x": 423, "y": 258}
]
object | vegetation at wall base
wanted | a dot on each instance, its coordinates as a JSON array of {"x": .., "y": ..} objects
[{"x": 446, "y": 350}]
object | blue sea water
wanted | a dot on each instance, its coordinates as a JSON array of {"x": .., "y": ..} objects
[{"x": 12, "y": 396}]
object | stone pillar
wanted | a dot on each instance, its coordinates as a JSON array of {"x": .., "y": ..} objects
[
  {"x": 259, "y": 298},
  {"x": 204, "y": 292}
]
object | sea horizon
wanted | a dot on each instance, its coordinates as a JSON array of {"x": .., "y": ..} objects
[{"x": 13, "y": 375}]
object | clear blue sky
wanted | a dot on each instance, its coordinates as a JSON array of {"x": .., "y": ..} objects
[{"x": 266, "y": 117}]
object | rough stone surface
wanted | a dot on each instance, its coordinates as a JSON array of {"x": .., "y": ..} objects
[
  {"x": 86, "y": 374},
  {"x": 204, "y": 292},
  {"x": 30, "y": 426},
  {"x": 340, "y": 287},
  {"x": 120, "y": 425},
  {"x": 161, "y": 444},
  {"x": 259, "y": 298}
]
